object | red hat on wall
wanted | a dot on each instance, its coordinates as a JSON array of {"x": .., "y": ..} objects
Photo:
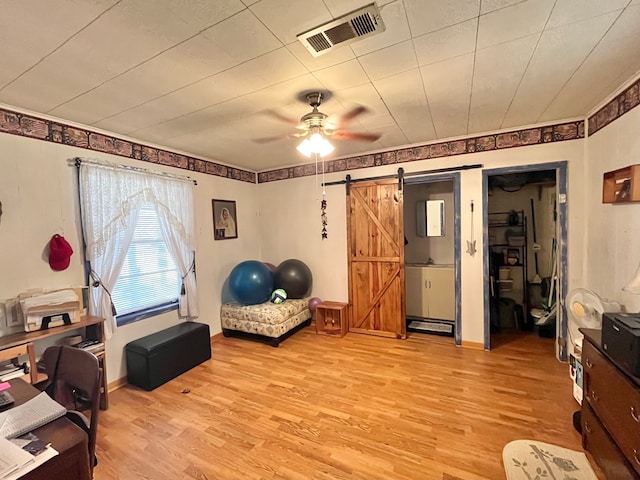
[{"x": 59, "y": 253}]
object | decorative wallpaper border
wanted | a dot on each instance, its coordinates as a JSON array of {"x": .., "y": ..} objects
[
  {"x": 618, "y": 106},
  {"x": 55, "y": 132},
  {"x": 498, "y": 141}
]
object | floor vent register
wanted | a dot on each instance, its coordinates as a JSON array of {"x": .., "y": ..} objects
[{"x": 430, "y": 326}]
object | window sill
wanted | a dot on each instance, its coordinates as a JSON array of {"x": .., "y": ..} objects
[{"x": 133, "y": 317}]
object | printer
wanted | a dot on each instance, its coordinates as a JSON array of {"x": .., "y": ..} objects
[
  {"x": 44, "y": 309},
  {"x": 621, "y": 339}
]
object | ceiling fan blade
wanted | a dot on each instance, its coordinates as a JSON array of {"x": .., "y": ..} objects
[
  {"x": 282, "y": 118},
  {"x": 346, "y": 135},
  {"x": 350, "y": 115},
  {"x": 279, "y": 137},
  {"x": 270, "y": 139}
]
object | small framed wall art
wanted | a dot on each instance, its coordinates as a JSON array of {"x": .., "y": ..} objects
[{"x": 225, "y": 220}]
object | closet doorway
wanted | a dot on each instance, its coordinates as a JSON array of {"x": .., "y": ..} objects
[
  {"x": 432, "y": 255},
  {"x": 525, "y": 248}
]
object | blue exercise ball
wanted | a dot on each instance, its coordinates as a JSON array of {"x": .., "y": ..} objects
[
  {"x": 294, "y": 277},
  {"x": 251, "y": 282},
  {"x": 227, "y": 296}
]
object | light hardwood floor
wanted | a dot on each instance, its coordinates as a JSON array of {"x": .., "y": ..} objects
[{"x": 357, "y": 407}]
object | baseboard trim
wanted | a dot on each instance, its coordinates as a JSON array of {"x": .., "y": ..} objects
[
  {"x": 473, "y": 345},
  {"x": 116, "y": 384},
  {"x": 216, "y": 338}
]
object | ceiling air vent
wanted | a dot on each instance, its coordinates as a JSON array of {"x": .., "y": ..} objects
[{"x": 344, "y": 30}]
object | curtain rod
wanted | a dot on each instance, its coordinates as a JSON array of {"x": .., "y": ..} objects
[
  {"x": 115, "y": 166},
  {"x": 410, "y": 174}
]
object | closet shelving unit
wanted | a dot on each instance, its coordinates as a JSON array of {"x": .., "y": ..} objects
[{"x": 508, "y": 247}]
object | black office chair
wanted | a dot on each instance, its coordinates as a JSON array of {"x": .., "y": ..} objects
[{"x": 74, "y": 381}]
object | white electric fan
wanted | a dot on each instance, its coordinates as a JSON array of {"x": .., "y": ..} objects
[{"x": 585, "y": 309}]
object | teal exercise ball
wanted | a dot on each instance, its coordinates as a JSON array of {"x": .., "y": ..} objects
[{"x": 251, "y": 282}]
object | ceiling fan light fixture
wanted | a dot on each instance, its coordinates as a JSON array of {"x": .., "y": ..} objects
[
  {"x": 305, "y": 147},
  {"x": 315, "y": 144}
]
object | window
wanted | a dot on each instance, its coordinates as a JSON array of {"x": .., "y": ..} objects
[
  {"x": 127, "y": 213},
  {"x": 149, "y": 279}
]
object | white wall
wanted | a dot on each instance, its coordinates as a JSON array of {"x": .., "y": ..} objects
[
  {"x": 290, "y": 222},
  {"x": 290, "y": 225},
  {"x": 613, "y": 250},
  {"x": 39, "y": 197}
]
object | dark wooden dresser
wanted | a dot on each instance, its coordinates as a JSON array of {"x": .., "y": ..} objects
[{"x": 610, "y": 411}]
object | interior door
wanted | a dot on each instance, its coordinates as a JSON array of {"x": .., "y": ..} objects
[{"x": 375, "y": 237}]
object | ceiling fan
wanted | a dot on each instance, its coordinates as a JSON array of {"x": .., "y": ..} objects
[{"x": 317, "y": 122}]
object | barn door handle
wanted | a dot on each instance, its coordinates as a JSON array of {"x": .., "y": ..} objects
[
  {"x": 634, "y": 414},
  {"x": 588, "y": 363}
]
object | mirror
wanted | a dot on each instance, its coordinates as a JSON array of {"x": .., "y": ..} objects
[{"x": 435, "y": 218}]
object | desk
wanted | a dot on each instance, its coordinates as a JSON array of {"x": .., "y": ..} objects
[
  {"x": 609, "y": 414},
  {"x": 22, "y": 343},
  {"x": 68, "y": 439}
]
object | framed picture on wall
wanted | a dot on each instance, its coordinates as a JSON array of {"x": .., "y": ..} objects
[{"x": 225, "y": 221}]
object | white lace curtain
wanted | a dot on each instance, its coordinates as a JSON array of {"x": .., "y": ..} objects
[{"x": 111, "y": 197}]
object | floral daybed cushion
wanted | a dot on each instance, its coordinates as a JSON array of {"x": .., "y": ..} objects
[{"x": 266, "y": 318}]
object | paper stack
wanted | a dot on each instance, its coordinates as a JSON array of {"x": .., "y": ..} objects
[
  {"x": 9, "y": 371},
  {"x": 16, "y": 461}
]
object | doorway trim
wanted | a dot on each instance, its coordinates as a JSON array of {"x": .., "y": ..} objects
[
  {"x": 455, "y": 178},
  {"x": 561, "y": 186}
]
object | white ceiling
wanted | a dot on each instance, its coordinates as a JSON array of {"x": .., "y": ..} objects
[{"x": 198, "y": 75}]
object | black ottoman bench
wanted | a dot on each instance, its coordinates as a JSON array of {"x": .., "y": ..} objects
[{"x": 161, "y": 356}]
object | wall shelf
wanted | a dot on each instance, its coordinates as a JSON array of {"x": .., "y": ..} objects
[{"x": 621, "y": 185}]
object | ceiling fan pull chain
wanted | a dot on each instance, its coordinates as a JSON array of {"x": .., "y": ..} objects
[
  {"x": 316, "y": 171},
  {"x": 324, "y": 192}
]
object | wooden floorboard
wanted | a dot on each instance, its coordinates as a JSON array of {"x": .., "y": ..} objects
[{"x": 357, "y": 407}]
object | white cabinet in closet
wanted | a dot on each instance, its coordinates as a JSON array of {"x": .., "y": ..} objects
[{"x": 430, "y": 292}]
